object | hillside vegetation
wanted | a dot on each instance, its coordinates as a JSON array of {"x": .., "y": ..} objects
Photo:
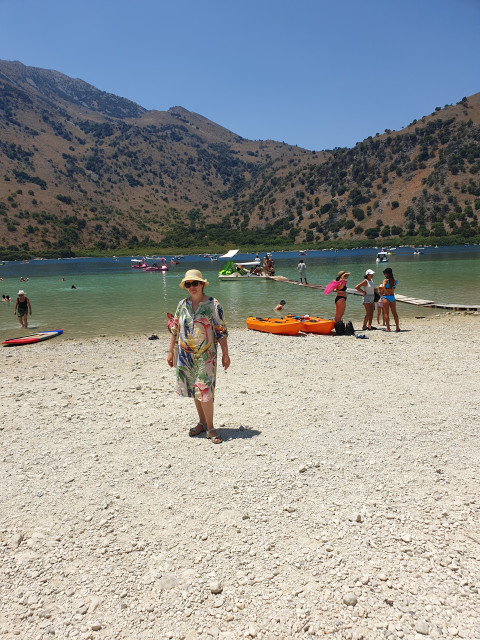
[{"x": 83, "y": 170}]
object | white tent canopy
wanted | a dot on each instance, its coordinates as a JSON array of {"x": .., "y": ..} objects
[{"x": 231, "y": 253}]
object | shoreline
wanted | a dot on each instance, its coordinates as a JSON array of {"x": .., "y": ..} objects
[{"x": 343, "y": 501}]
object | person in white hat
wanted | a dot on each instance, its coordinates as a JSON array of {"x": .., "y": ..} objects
[
  {"x": 21, "y": 309},
  {"x": 197, "y": 328},
  {"x": 367, "y": 289}
]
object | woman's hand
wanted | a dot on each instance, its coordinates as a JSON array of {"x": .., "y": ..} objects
[
  {"x": 170, "y": 359},
  {"x": 225, "y": 360}
]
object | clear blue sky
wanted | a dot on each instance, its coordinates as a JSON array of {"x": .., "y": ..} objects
[{"x": 316, "y": 73}]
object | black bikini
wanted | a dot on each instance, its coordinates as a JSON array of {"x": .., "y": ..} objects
[{"x": 341, "y": 297}]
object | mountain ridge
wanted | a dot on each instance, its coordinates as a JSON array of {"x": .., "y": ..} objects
[{"x": 85, "y": 169}]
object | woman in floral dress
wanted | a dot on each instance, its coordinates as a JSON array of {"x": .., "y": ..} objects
[{"x": 199, "y": 324}]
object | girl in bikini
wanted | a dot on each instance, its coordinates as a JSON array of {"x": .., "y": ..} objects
[
  {"x": 388, "y": 298},
  {"x": 341, "y": 299}
]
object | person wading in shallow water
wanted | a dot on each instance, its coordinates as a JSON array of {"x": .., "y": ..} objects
[
  {"x": 302, "y": 270},
  {"x": 22, "y": 307}
]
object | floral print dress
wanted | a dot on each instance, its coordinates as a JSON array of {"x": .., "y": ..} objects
[{"x": 198, "y": 333}]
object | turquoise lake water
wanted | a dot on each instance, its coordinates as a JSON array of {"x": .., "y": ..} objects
[{"x": 113, "y": 299}]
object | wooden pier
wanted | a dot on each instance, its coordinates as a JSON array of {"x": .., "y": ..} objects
[{"x": 406, "y": 299}]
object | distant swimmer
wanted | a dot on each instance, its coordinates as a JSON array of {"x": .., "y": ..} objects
[
  {"x": 280, "y": 306},
  {"x": 73, "y": 286}
]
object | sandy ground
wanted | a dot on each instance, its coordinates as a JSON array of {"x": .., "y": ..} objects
[{"x": 343, "y": 503}]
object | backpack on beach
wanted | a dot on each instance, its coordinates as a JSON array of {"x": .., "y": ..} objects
[
  {"x": 349, "y": 330},
  {"x": 339, "y": 328}
]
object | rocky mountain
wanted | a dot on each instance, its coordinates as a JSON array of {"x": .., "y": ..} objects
[{"x": 83, "y": 169}]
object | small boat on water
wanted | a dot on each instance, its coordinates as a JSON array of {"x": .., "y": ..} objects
[
  {"x": 242, "y": 271},
  {"x": 302, "y": 253},
  {"x": 382, "y": 256},
  {"x": 138, "y": 264},
  {"x": 145, "y": 266},
  {"x": 280, "y": 326},
  {"x": 157, "y": 267}
]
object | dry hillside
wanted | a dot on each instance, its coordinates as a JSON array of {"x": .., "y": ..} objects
[{"x": 85, "y": 169}]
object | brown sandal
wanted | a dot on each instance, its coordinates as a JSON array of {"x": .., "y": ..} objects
[
  {"x": 196, "y": 431},
  {"x": 215, "y": 439}
]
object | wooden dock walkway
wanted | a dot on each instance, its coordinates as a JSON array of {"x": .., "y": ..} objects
[{"x": 406, "y": 299}]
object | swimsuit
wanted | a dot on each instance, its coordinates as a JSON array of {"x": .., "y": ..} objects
[
  {"x": 22, "y": 307},
  {"x": 344, "y": 288},
  {"x": 390, "y": 298}
]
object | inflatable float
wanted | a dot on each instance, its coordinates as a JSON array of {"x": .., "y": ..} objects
[
  {"x": 331, "y": 286},
  {"x": 281, "y": 326}
]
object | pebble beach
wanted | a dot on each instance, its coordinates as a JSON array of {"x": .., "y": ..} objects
[{"x": 343, "y": 503}]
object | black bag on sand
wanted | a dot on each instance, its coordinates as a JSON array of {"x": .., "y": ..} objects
[
  {"x": 339, "y": 328},
  {"x": 349, "y": 330}
]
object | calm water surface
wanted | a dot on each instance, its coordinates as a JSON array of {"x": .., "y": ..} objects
[{"x": 112, "y": 299}]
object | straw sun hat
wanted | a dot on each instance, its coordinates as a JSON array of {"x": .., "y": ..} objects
[{"x": 193, "y": 274}]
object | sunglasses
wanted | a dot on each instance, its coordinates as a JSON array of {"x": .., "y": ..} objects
[{"x": 194, "y": 283}]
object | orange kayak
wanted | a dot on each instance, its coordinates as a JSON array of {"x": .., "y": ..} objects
[
  {"x": 312, "y": 324},
  {"x": 318, "y": 325},
  {"x": 283, "y": 326}
]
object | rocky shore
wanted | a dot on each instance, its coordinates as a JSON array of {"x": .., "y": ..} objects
[{"x": 343, "y": 502}]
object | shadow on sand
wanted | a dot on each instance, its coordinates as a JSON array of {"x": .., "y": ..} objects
[{"x": 237, "y": 434}]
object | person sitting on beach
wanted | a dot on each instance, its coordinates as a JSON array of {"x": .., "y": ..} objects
[
  {"x": 280, "y": 306},
  {"x": 22, "y": 307}
]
